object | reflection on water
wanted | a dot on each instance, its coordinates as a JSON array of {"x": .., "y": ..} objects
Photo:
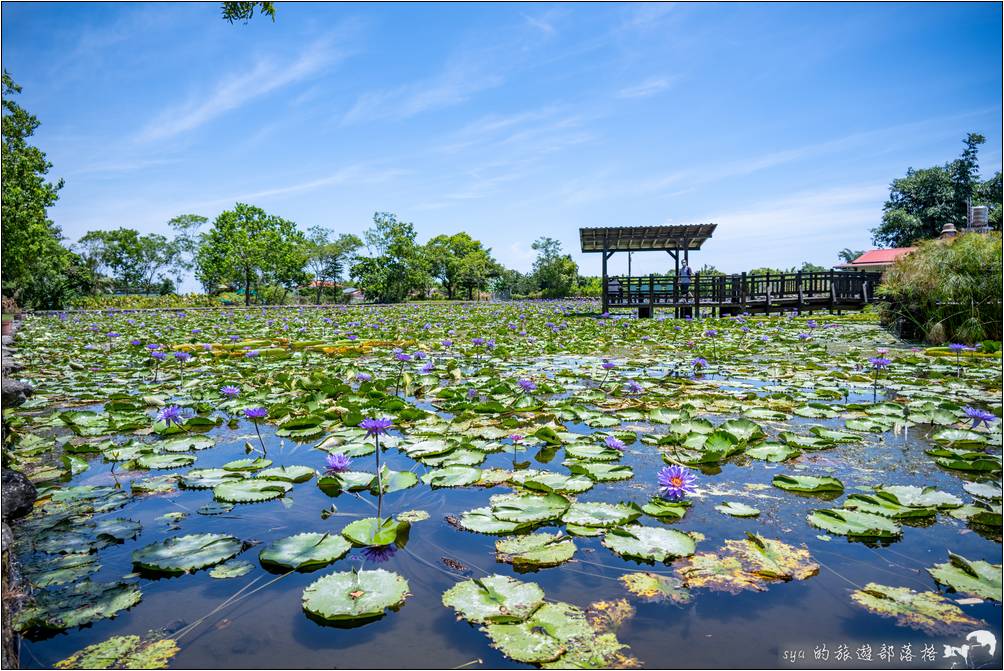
[{"x": 269, "y": 629}]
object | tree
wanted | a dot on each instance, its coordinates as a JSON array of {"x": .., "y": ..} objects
[
  {"x": 460, "y": 262},
  {"x": 847, "y": 255},
  {"x": 131, "y": 259},
  {"x": 244, "y": 11},
  {"x": 326, "y": 258},
  {"x": 186, "y": 241},
  {"x": 29, "y": 236},
  {"x": 808, "y": 267},
  {"x": 397, "y": 266},
  {"x": 555, "y": 274},
  {"x": 989, "y": 193},
  {"x": 248, "y": 246},
  {"x": 922, "y": 202},
  {"x": 709, "y": 271}
]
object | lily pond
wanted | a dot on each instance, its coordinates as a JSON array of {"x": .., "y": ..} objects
[{"x": 551, "y": 489}]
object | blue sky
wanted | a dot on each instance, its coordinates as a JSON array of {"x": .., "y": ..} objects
[{"x": 783, "y": 124}]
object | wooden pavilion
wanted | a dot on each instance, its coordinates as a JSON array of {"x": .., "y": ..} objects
[{"x": 721, "y": 294}]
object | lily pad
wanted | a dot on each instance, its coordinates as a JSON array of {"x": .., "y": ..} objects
[
  {"x": 544, "y": 637},
  {"x": 927, "y": 611},
  {"x": 595, "y": 514},
  {"x": 231, "y": 569},
  {"x": 354, "y": 595},
  {"x": 656, "y": 587},
  {"x": 494, "y": 598},
  {"x": 250, "y": 490},
  {"x": 648, "y": 543},
  {"x": 528, "y": 508},
  {"x": 287, "y": 473},
  {"x": 124, "y": 652},
  {"x": 183, "y": 554},
  {"x": 370, "y": 531},
  {"x": 807, "y": 483},
  {"x": 535, "y": 550},
  {"x": 976, "y": 578},
  {"x": 304, "y": 552},
  {"x": 854, "y": 523},
  {"x": 452, "y": 476},
  {"x": 737, "y": 509}
]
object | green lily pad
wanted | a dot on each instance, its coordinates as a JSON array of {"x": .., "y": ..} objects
[
  {"x": 736, "y": 509},
  {"x": 124, "y": 652},
  {"x": 80, "y": 604},
  {"x": 306, "y": 551},
  {"x": 881, "y": 506},
  {"x": 656, "y": 587},
  {"x": 596, "y": 514},
  {"x": 927, "y": 611},
  {"x": 231, "y": 569},
  {"x": 601, "y": 472},
  {"x": 528, "y": 508},
  {"x": 207, "y": 478},
  {"x": 535, "y": 550},
  {"x": 976, "y": 578},
  {"x": 184, "y": 554},
  {"x": 287, "y": 473},
  {"x": 546, "y": 635},
  {"x": 551, "y": 482},
  {"x": 774, "y": 452},
  {"x": 370, "y": 531},
  {"x": 917, "y": 497},
  {"x": 152, "y": 461},
  {"x": 250, "y": 490},
  {"x": 648, "y": 543},
  {"x": 807, "y": 483},
  {"x": 354, "y": 595},
  {"x": 494, "y": 598},
  {"x": 247, "y": 464},
  {"x": 854, "y": 523},
  {"x": 452, "y": 476},
  {"x": 482, "y": 521},
  {"x": 663, "y": 509}
]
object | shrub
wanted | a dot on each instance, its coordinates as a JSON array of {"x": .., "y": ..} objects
[
  {"x": 138, "y": 302},
  {"x": 947, "y": 290}
]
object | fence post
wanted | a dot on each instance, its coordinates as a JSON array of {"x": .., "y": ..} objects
[
  {"x": 742, "y": 292},
  {"x": 697, "y": 296},
  {"x": 798, "y": 288}
]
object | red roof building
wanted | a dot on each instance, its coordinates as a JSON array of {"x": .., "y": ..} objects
[{"x": 876, "y": 260}]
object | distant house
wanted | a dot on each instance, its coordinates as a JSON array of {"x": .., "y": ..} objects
[{"x": 876, "y": 260}]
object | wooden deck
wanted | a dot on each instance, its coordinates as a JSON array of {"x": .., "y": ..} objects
[{"x": 736, "y": 294}]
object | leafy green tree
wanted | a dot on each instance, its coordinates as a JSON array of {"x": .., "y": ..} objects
[
  {"x": 397, "y": 267},
  {"x": 133, "y": 261},
  {"x": 244, "y": 11},
  {"x": 554, "y": 272},
  {"x": 247, "y": 246},
  {"x": 989, "y": 193},
  {"x": 811, "y": 268},
  {"x": 922, "y": 202},
  {"x": 37, "y": 269},
  {"x": 187, "y": 237},
  {"x": 327, "y": 258},
  {"x": 460, "y": 262},
  {"x": 709, "y": 271},
  {"x": 847, "y": 254}
]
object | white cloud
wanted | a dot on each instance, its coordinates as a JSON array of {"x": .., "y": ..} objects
[
  {"x": 647, "y": 88},
  {"x": 265, "y": 76}
]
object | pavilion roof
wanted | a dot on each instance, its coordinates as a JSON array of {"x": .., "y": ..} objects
[{"x": 645, "y": 238}]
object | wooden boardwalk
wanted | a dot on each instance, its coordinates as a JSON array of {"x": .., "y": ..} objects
[{"x": 735, "y": 294}]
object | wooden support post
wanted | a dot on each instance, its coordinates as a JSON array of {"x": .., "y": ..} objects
[
  {"x": 798, "y": 288},
  {"x": 651, "y": 295},
  {"x": 833, "y": 292},
  {"x": 676, "y": 283},
  {"x": 766, "y": 286},
  {"x": 742, "y": 292},
  {"x": 697, "y": 296},
  {"x": 606, "y": 298}
]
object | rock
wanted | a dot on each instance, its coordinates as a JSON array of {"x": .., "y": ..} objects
[
  {"x": 14, "y": 392},
  {"x": 18, "y": 494},
  {"x": 7, "y": 340},
  {"x": 8, "y": 537}
]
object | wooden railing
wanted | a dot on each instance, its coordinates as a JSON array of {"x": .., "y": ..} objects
[{"x": 828, "y": 287}]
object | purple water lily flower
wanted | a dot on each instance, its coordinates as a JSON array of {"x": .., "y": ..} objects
[
  {"x": 608, "y": 365},
  {"x": 676, "y": 482},
  {"x": 527, "y": 385},
  {"x": 979, "y": 416},
  {"x": 182, "y": 357},
  {"x": 170, "y": 415},
  {"x": 957, "y": 347},
  {"x": 251, "y": 353},
  {"x": 363, "y": 377},
  {"x": 614, "y": 443},
  {"x": 159, "y": 356},
  {"x": 879, "y": 362},
  {"x": 255, "y": 413},
  {"x": 633, "y": 387},
  {"x": 711, "y": 333},
  {"x": 402, "y": 357},
  {"x": 427, "y": 368},
  {"x": 699, "y": 362},
  {"x": 376, "y": 427},
  {"x": 516, "y": 438},
  {"x": 477, "y": 342},
  {"x": 379, "y": 553},
  {"x": 337, "y": 463},
  {"x": 230, "y": 391},
  {"x": 447, "y": 343}
]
